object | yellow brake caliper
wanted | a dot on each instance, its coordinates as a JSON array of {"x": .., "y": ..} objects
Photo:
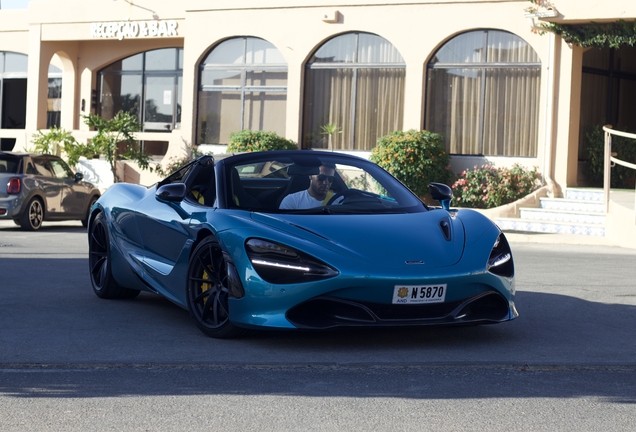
[{"x": 205, "y": 286}]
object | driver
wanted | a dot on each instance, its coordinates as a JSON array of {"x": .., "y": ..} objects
[{"x": 317, "y": 193}]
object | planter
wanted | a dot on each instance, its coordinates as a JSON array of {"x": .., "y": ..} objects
[{"x": 96, "y": 171}]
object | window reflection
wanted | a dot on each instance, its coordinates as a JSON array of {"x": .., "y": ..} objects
[
  {"x": 242, "y": 85},
  {"x": 14, "y": 62},
  {"x": 147, "y": 85}
]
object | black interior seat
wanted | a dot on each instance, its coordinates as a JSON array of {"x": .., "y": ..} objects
[
  {"x": 240, "y": 198},
  {"x": 298, "y": 180},
  {"x": 204, "y": 186}
]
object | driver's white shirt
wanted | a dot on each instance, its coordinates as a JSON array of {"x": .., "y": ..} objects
[{"x": 299, "y": 200}]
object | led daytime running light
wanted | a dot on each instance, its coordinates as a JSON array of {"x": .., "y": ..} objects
[
  {"x": 499, "y": 260},
  {"x": 280, "y": 265}
]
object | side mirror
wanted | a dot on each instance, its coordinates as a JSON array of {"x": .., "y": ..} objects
[
  {"x": 442, "y": 193},
  {"x": 79, "y": 176},
  {"x": 174, "y": 192}
]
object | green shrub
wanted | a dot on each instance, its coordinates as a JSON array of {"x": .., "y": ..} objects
[
  {"x": 60, "y": 142},
  {"x": 110, "y": 134},
  {"x": 54, "y": 141},
  {"x": 489, "y": 187},
  {"x": 416, "y": 158},
  {"x": 253, "y": 141},
  {"x": 625, "y": 149}
]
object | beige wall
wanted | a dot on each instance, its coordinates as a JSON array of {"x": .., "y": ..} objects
[
  {"x": 598, "y": 11},
  {"x": 297, "y": 28}
]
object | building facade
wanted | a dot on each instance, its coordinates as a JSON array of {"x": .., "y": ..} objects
[{"x": 329, "y": 75}]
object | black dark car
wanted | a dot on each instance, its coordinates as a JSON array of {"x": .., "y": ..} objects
[{"x": 37, "y": 187}]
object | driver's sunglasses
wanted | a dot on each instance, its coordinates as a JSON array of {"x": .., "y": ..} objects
[{"x": 323, "y": 177}]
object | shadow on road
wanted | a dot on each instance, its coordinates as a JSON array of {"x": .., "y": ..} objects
[
  {"x": 59, "y": 340},
  {"x": 417, "y": 382}
]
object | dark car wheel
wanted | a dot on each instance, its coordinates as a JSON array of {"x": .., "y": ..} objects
[
  {"x": 88, "y": 211},
  {"x": 207, "y": 291},
  {"x": 33, "y": 215},
  {"x": 104, "y": 285}
]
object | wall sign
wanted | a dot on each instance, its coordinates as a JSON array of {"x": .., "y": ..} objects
[{"x": 133, "y": 29}]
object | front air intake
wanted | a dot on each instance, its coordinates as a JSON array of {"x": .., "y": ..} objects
[{"x": 445, "y": 227}]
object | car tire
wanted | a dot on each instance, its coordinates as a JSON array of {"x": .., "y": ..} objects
[
  {"x": 88, "y": 211},
  {"x": 207, "y": 291},
  {"x": 100, "y": 264},
  {"x": 33, "y": 215}
]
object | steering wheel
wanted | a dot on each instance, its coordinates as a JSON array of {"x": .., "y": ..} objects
[{"x": 342, "y": 196}]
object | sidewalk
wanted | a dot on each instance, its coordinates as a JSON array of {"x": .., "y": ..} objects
[{"x": 554, "y": 238}]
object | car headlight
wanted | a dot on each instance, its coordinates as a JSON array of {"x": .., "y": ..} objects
[
  {"x": 280, "y": 264},
  {"x": 500, "y": 261}
]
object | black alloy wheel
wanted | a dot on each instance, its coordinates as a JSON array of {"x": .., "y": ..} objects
[
  {"x": 33, "y": 216},
  {"x": 104, "y": 285},
  {"x": 207, "y": 291}
]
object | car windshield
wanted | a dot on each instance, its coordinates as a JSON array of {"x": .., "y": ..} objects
[
  {"x": 304, "y": 182},
  {"x": 9, "y": 164}
]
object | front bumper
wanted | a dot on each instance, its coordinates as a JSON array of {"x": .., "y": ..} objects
[
  {"x": 328, "y": 312},
  {"x": 348, "y": 300}
]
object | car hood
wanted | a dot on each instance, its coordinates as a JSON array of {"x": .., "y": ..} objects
[{"x": 426, "y": 240}]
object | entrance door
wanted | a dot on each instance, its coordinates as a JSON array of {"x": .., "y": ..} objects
[
  {"x": 12, "y": 108},
  {"x": 608, "y": 92}
]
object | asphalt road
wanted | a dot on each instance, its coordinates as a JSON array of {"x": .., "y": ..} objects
[{"x": 71, "y": 361}]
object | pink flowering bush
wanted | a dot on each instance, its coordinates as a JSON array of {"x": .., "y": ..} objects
[{"x": 488, "y": 187}]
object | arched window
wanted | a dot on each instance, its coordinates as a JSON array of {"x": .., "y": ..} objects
[
  {"x": 242, "y": 85},
  {"x": 148, "y": 85},
  {"x": 13, "y": 64},
  {"x": 483, "y": 94},
  {"x": 354, "y": 93}
]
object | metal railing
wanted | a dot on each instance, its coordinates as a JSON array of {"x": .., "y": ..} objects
[{"x": 610, "y": 158}]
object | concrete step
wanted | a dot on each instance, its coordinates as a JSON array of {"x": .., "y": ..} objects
[
  {"x": 528, "y": 225},
  {"x": 572, "y": 217},
  {"x": 580, "y": 213},
  {"x": 584, "y": 194},
  {"x": 572, "y": 205}
]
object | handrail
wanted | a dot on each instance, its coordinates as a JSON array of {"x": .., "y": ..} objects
[{"x": 609, "y": 158}]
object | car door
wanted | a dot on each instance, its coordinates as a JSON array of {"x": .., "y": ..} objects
[
  {"x": 50, "y": 186},
  {"x": 74, "y": 198},
  {"x": 166, "y": 235}
]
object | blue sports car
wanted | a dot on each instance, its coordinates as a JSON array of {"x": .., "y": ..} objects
[{"x": 299, "y": 240}]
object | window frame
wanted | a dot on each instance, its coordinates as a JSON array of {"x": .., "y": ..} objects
[{"x": 144, "y": 74}]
